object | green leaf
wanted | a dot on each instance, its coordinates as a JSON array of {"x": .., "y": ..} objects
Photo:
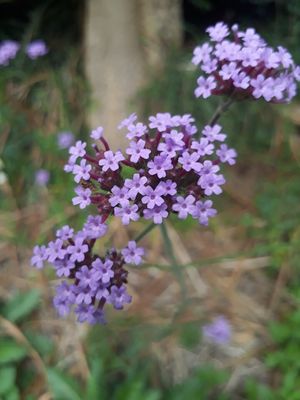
[
  {"x": 11, "y": 351},
  {"x": 95, "y": 383},
  {"x": 41, "y": 343},
  {"x": 62, "y": 387},
  {"x": 21, "y": 305},
  {"x": 7, "y": 379}
]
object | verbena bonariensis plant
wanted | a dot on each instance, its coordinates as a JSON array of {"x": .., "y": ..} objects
[{"x": 166, "y": 169}]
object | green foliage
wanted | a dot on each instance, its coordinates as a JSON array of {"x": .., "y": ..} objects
[
  {"x": 61, "y": 386},
  {"x": 14, "y": 352},
  {"x": 10, "y": 351},
  {"x": 21, "y": 305}
]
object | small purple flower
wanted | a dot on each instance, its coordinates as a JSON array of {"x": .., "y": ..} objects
[
  {"x": 226, "y": 155},
  {"x": 65, "y": 232},
  {"x": 190, "y": 161},
  {"x": 201, "y": 54},
  {"x": 55, "y": 250},
  {"x": 136, "y": 185},
  {"x": 203, "y": 147},
  {"x": 160, "y": 165},
  {"x": 161, "y": 121},
  {"x": 39, "y": 256},
  {"x": 97, "y": 317},
  {"x": 97, "y": 133},
  {"x": 157, "y": 214},
  {"x": 284, "y": 57},
  {"x": 82, "y": 171},
  {"x": 133, "y": 254},
  {"x": 78, "y": 250},
  {"x": 167, "y": 148},
  {"x": 128, "y": 121},
  {"x": 210, "y": 65},
  {"x": 118, "y": 297},
  {"x": 168, "y": 186},
  {"x": 84, "y": 312},
  {"x": 211, "y": 183},
  {"x": 136, "y": 130},
  {"x": 64, "y": 298},
  {"x": 203, "y": 210},
  {"x": 153, "y": 197},
  {"x": 205, "y": 86},
  {"x": 208, "y": 168},
  {"x": 111, "y": 160},
  {"x": 63, "y": 267},
  {"x": 85, "y": 277},
  {"x": 102, "y": 270},
  {"x": 119, "y": 196},
  {"x": 88, "y": 313},
  {"x": 42, "y": 177},
  {"x": 241, "y": 80},
  {"x": 258, "y": 85},
  {"x": 36, "y": 49},
  {"x": 137, "y": 150},
  {"x": 176, "y": 137},
  {"x": 184, "y": 206},
  {"x": 218, "y": 331},
  {"x": 212, "y": 133},
  {"x": 173, "y": 142},
  {"x": 77, "y": 151},
  {"x": 229, "y": 70},
  {"x": 94, "y": 228},
  {"x": 101, "y": 291},
  {"x": 249, "y": 57},
  {"x": 218, "y": 32},
  {"x": 65, "y": 140},
  {"x": 127, "y": 212},
  {"x": 83, "y": 197},
  {"x": 69, "y": 166}
]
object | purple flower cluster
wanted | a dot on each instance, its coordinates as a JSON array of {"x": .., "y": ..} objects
[
  {"x": 10, "y": 48},
  {"x": 8, "y": 51},
  {"x": 241, "y": 64},
  {"x": 36, "y": 49},
  {"x": 168, "y": 170},
  {"x": 89, "y": 280}
]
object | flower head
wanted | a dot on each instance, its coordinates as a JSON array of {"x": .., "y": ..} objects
[
  {"x": 8, "y": 51},
  {"x": 42, "y": 177},
  {"x": 218, "y": 331},
  {"x": 36, "y": 49},
  {"x": 242, "y": 65}
]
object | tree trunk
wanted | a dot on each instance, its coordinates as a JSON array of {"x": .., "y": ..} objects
[{"x": 124, "y": 40}]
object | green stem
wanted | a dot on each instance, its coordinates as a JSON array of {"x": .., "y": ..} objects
[
  {"x": 145, "y": 232},
  {"x": 170, "y": 252},
  {"x": 220, "y": 110}
]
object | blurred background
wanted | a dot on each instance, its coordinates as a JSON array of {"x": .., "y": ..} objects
[{"x": 106, "y": 59}]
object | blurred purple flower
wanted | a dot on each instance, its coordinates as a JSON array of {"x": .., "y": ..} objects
[
  {"x": 8, "y": 51},
  {"x": 65, "y": 139},
  {"x": 133, "y": 254},
  {"x": 42, "y": 177},
  {"x": 36, "y": 49},
  {"x": 218, "y": 331}
]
